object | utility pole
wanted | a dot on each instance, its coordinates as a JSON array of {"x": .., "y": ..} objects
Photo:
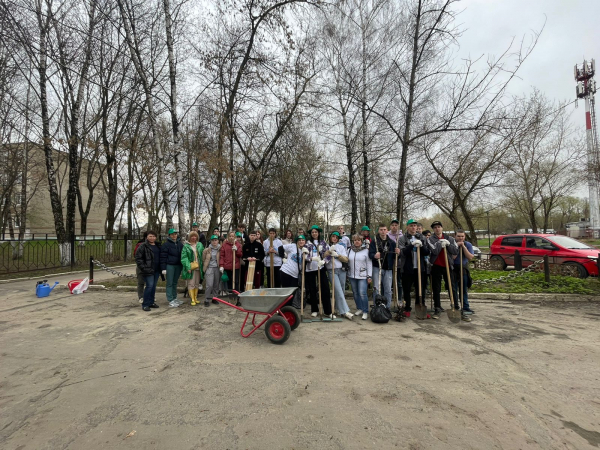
[{"x": 586, "y": 88}]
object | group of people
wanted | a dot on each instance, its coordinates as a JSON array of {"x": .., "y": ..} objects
[{"x": 392, "y": 262}]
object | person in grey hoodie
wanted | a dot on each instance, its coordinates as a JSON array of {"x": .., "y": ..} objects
[
  {"x": 212, "y": 274},
  {"x": 437, "y": 242}
]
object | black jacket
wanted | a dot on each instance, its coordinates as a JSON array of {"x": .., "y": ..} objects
[
  {"x": 254, "y": 250},
  {"x": 406, "y": 251},
  {"x": 170, "y": 253},
  {"x": 144, "y": 258},
  {"x": 387, "y": 249}
]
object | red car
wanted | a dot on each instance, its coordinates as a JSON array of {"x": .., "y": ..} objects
[{"x": 560, "y": 249}]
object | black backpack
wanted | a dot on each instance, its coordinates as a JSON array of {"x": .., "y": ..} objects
[{"x": 380, "y": 313}]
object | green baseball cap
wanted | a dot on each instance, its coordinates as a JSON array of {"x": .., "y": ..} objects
[
  {"x": 315, "y": 227},
  {"x": 336, "y": 233},
  {"x": 238, "y": 234},
  {"x": 214, "y": 236},
  {"x": 365, "y": 228},
  {"x": 411, "y": 221},
  {"x": 172, "y": 230},
  {"x": 194, "y": 224},
  {"x": 300, "y": 236}
]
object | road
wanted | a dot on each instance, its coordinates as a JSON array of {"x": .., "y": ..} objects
[{"x": 94, "y": 371}]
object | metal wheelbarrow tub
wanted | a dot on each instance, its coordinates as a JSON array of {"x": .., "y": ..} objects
[{"x": 264, "y": 300}]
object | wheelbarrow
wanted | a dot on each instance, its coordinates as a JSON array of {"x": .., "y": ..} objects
[{"x": 280, "y": 320}]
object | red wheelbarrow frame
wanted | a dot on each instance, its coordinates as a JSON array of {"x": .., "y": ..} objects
[{"x": 254, "y": 313}]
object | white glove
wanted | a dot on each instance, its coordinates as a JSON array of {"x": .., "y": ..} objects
[
  {"x": 417, "y": 243},
  {"x": 444, "y": 242},
  {"x": 320, "y": 248},
  {"x": 321, "y": 263},
  {"x": 222, "y": 269},
  {"x": 284, "y": 260},
  {"x": 234, "y": 248},
  {"x": 305, "y": 250},
  {"x": 164, "y": 272},
  {"x": 334, "y": 254},
  {"x": 316, "y": 258}
]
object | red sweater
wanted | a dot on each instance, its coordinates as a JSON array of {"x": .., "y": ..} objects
[{"x": 441, "y": 259}]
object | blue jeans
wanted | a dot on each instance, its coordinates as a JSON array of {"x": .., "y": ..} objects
[
  {"x": 456, "y": 287},
  {"x": 340, "y": 298},
  {"x": 359, "y": 291},
  {"x": 386, "y": 284},
  {"x": 150, "y": 289}
]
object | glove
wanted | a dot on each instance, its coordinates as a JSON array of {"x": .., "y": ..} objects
[
  {"x": 316, "y": 258},
  {"x": 234, "y": 248},
  {"x": 444, "y": 242},
  {"x": 284, "y": 260},
  {"x": 321, "y": 263},
  {"x": 334, "y": 254},
  {"x": 417, "y": 243},
  {"x": 320, "y": 248},
  {"x": 164, "y": 272},
  {"x": 222, "y": 269},
  {"x": 305, "y": 250}
]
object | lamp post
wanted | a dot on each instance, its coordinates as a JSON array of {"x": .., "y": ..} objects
[{"x": 488, "y": 227}]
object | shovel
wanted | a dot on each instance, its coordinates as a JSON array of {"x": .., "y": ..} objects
[
  {"x": 379, "y": 298},
  {"x": 302, "y": 292},
  {"x": 420, "y": 306},
  {"x": 337, "y": 319},
  {"x": 453, "y": 314},
  {"x": 462, "y": 292}
]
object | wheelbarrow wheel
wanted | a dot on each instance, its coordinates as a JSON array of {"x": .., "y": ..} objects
[
  {"x": 278, "y": 329},
  {"x": 292, "y": 316}
]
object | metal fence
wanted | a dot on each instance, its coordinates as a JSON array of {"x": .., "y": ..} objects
[{"x": 42, "y": 252}]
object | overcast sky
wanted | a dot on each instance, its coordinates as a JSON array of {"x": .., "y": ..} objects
[{"x": 571, "y": 32}]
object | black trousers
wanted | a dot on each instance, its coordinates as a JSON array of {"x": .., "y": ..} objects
[
  {"x": 230, "y": 284},
  {"x": 276, "y": 274},
  {"x": 310, "y": 279},
  {"x": 410, "y": 279},
  {"x": 290, "y": 281},
  {"x": 437, "y": 273}
]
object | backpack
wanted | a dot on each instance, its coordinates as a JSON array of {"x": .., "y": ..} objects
[{"x": 380, "y": 312}]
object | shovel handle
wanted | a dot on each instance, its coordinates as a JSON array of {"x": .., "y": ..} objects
[{"x": 449, "y": 279}]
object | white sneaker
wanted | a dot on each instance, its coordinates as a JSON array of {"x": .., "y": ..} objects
[
  {"x": 365, "y": 316},
  {"x": 349, "y": 316},
  {"x": 314, "y": 314},
  {"x": 358, "y": 312},
  {"x": 173, "y": 304},
  {"x": 142, "y": 300}
]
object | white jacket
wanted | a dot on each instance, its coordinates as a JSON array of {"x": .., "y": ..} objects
[{"x": 359, "y": 264}]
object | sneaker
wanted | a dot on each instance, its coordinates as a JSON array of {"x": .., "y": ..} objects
[
  {"x": 349, "y": 316},
  {"x": 179, "y": 302},
  {"x": 406, "y": 313},
  {"x": 173, "y": 304},
  {"x": 146, "y": 308},
  {"x": 365, "y": 316},
  {"x": 141, "y": 299},
  {"x": 154, "y": 305},
  {"x": 436, "y": 314},
  {"x": 468, "y": 311},
  {"x": 358, "y": 312},
  {"x": 315, "y": 314},
  {"x": 206, "y": 303},
  {"x": 466, "y": 318},
  {"x": 215, "y": 302},
  {"x": 332, "y": 316},
  {"x": 440, "y": 309}
]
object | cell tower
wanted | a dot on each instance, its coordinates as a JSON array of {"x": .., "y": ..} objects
[{"x": 586, "y": 88}]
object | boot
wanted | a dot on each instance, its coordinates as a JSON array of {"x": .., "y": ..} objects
[{"x": 193, "y": 294}]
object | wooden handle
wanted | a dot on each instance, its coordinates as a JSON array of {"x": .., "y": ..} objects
[
  {"x": 272, "y": 257},
  {"x": 302, "y": 292},
  {"x": 419, "y": 272},
  {"x": 449, "y": 279},
  {"x": 461, "y": 277},
  {"x": 250, "y": 275}
]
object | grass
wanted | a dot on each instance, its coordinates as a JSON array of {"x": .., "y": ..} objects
[{"x": 534, "y": 283}]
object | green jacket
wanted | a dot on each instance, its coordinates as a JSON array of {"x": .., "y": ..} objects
[{"x": 187, "y": 256}]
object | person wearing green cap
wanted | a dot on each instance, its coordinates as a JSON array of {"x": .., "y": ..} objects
[
  {"x": 212, "y": 274},
  {"x": 170, "y": 263},
  {"x": 408, "y": 264},
  {"x": 316, "y": 278},
  {"x": 366, "y": 234},
  {"x": 291, "y": 269},
  {"x": 337, "y": 277},
  {"x": 394, "y": 234}
]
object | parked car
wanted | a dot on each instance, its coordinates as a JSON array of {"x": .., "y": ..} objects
[
  {"x": 561, "y": 249},
  {"x": 477, "y": 252}
]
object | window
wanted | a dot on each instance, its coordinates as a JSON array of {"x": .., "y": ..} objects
[
  {"x": 537, "y": 242},
  {"x": 512, "y": 241}
]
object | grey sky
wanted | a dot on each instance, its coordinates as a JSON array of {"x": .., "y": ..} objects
[{"x": 572, "y": 31}]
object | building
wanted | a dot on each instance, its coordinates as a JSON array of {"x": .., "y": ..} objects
[{"x": 39, "y": 218}]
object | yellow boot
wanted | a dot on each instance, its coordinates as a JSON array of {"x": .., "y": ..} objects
[{"x": 193, "y": 293}]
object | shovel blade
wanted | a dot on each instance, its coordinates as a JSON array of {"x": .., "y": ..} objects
[
  {"x": 421, "y": 311},
  {"x": 453, "y": 315}
]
